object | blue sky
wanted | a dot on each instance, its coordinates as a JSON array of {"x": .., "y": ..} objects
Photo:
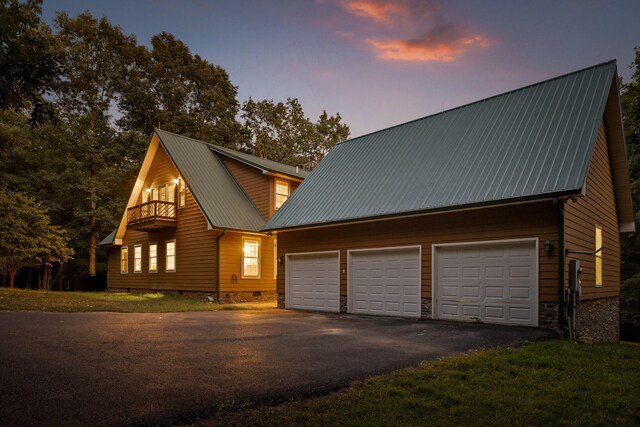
[{"x": 378, "y": 62}]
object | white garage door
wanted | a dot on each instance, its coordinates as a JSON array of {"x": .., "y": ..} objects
[
  {"x": 491, "y": 282},
  {"x": 313, "y": 282},
  {"x": 385, "y": 281}
]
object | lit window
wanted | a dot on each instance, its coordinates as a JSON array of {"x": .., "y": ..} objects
[
  {"x": 182, "y": 197},
  {"x": 282, "y": 193},
  {"x": 162, "y": 193},
  {"x": 171, "y": 256},
  {"x": 171, "y": 193},
  {"x": 137, "y": 259},
  {"x": 124, "y": 260},
  {"x": 153, "y": 257},
  {"x": 598, "y": 257},
  {"x": 250, "y": 258}
]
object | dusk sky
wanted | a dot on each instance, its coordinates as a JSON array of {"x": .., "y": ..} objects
[{"x": 381, "y": 63}]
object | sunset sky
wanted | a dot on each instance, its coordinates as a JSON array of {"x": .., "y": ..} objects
[{"x": 381, "y": 63}]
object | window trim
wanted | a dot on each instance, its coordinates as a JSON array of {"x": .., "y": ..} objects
[
  {"x": 276, "y": 194},
  {"x": 156, "y": 245},
  {"x": 124, "y": 249},
  {"x": 166, "y": 256},
  {"x": 597, "y": 266},
  {"x": 275, "y": 258},
  {"x": 136, "y": 271},
  {"x": 242, "y": 272}
]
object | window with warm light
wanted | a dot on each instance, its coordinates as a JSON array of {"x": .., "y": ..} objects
[
  {"x": 153, "y": 257},
  {"x": 171, "y": 256},
  {"x": 598, "y": 257},
  {"x": 250, "y": 258},
  {"x": 124, "y": 260},
  {"x": 282, "y": 193},
  {"x": 182, "y": 196},
  {"x": 137, "y": 259}
]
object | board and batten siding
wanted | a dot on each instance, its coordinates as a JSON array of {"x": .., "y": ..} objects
[
  {"x": 596, "y": 207},
  {"x": 195, "y": 245},
  {"x": 527, "y": 220}
]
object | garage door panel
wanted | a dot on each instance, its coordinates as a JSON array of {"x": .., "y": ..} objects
[
  {"x": 391, "y": 285},
  {"x": 493, "y": 282},
  {"x": 313, "y": 282}
]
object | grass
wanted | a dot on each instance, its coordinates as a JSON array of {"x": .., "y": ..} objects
[
  {"x": 560, "y": 383},
  {"x": 122, "y": 302}
]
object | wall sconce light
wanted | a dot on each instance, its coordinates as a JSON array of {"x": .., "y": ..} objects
[
  {"x": 148, "y": 190},
  {"x": 279, "y": 261},
  {"x": 548, "y": 247},
  {"x": 176, "y": 180}
]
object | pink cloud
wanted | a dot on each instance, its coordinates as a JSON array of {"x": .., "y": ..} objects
[
  {"x": 379, "y": 11},
  {"x": 443, "y": 43}
]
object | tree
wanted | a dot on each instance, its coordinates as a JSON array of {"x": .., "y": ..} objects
[
  {"x": 29, "y": 59},
  {"x": 630, "y": 269},
  {"x": 282, "y": 132},
  {"x": 180, "y": 92},
  {"x": 26, "y": 235},
  {"x": 96, "y": 70}
]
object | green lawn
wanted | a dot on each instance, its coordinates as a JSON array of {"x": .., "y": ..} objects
[
  {"x": 122, "y": 302},
  {"x": 557, "y": 383}
]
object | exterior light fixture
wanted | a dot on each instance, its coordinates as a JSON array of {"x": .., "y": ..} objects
[
  {"x": 148, "y": 190},
  {"x": 548, "y": 247},
  {"x": 279, "y": 260},
  {"x": 176, "y": 180}
]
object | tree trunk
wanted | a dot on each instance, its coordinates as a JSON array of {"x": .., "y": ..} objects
[
  {"x": 93, "y": 234},
  {"x": 12, "y": 276}
]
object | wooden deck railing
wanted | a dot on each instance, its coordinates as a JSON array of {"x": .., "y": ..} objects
[{"x": 152, "y": 210}]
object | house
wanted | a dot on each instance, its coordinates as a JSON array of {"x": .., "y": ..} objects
[
  {"x": 472, "y": 214},
  {"x": 193, "y": 221}
]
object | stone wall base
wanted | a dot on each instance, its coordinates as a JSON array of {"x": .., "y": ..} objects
[
  {"x": 426, "y": 309},
  {"x": 599, "y": 319},
  {"x": 225, "y": 297},
  {"x": 281, "y": 301},
  {"x": 343, "y": 304},
  {"x": 548, "y": 316}
]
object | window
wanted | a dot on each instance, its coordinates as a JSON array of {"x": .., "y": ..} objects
[
  {"x": 182, "y": 197},
  {"x": 137, "y": 259},
  {"x": 171, "y": 193},
  {"x": 250, "y": 258},
  {"x": 598, "y": 257},
  {"x": 282, "y": 193},
  {"x": 153, "y": 257},
  {"x": 171, "y": 256},
  {"x": 124, "y": 260}
]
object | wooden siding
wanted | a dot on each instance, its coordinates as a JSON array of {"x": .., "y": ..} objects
[
  {"x": 597, "y": 207},
  {"x": 231, "y": 264},
  {"x": 253, "y": 181},
  {"x": 536, "y": 219},
  {"x": 195, "y": 245}
]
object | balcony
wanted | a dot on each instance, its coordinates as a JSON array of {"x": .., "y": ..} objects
[{"x": 152, "y": 215}]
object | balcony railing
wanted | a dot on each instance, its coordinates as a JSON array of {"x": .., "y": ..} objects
[{"x": 153, "y": 214}]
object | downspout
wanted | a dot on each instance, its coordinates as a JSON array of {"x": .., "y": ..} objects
[
  {"x": 218, "y": 264},
  {"x": 559, "y": 204}
]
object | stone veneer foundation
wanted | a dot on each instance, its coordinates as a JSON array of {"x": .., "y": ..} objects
[
  {"x": 548, "y": 316},
  {"x": 599, "y": 319},
  {"x": 225, "y": 297}
]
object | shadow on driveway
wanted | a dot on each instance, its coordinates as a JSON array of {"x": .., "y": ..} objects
[{"x": 161, "y": 368}]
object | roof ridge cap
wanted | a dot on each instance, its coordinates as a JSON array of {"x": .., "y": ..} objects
[{"x": 611, "y": 61}]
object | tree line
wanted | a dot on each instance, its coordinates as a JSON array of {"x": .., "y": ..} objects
[{"x": 78, "y": 103}]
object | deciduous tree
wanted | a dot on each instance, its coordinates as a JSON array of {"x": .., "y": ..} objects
[{"x": 26, "y": 235}]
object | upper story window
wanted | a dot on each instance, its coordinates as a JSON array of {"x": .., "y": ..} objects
[
  {"x": 182, "y": 195},
  {"x": 282, "y": 193},
  {"x": 137, "y": 259},
  {"x": 250, "y": 258},
  {"x": 598, "y": 257},
  {"x": 171, "y": 256},
  {"x": 153, "y": 257},
  {"x": 124, "y": 260}
]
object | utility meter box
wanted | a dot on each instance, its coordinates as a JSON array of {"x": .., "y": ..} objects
[{"x": 574, "y": 276}]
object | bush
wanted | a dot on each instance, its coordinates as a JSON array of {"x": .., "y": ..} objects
[{"x": 630, "y": 309}]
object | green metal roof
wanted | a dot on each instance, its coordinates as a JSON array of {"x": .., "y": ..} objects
[
  {"x": 109, "y": 239},
  {"x": 530, "y": 143},
  {"x": 260, "y": 163},
  {"x": 220, "y": 197}
]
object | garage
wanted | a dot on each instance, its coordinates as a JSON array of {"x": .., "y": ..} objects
[
  {"x": 313, "y": 281},
  {"x": 385, "y": 281},
  {"x": 492, "y": 282}
]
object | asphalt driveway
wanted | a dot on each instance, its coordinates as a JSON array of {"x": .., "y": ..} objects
[{"x": 115, "y": 369}]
